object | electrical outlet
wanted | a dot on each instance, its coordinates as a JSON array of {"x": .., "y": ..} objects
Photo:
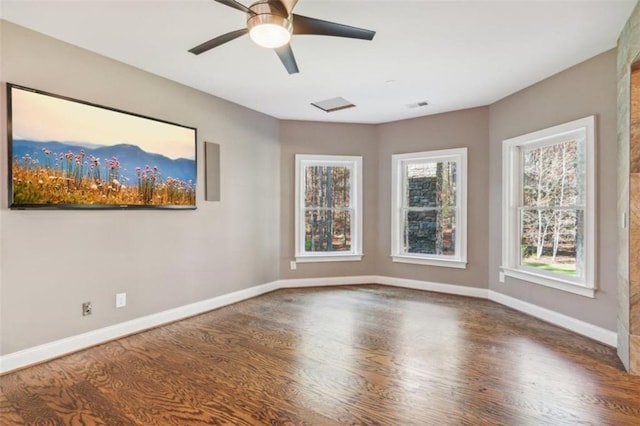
[
  {"x": 86, "y": 309},
  {"x": 501, "y": 277},
  {"x": 121, "y": 300},
  {"x": 292, "y": 265}
]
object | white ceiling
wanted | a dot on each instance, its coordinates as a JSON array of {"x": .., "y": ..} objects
[{"x": 453, "y": 54}]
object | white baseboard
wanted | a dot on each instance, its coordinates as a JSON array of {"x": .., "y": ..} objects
[
  {"x": 458, "y": 290},
  {"x": 594, "y": 332},
  {"x": 394, "y": 282},
  {"x": 47, "y": 351},
  {"x": 327, "y": 282}
]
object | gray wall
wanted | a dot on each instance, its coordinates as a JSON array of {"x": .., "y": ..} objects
[
  {"x": 301, "y": 137},
  {"x": 52, "y": 261},
  {"x": 585, "y": 89},
  {"x": 467, "y": 128}
]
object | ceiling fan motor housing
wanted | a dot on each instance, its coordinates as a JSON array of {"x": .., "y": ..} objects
[{"x": 270, "y": 12}]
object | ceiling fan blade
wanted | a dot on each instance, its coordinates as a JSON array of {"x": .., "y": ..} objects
[
  {"x": 313, "y": 26},
  {"x": 234, "y": 4},
  {"x": 288, "y": 59},
  {"x": 289, "y": 5},
  {"x": 215, "y": 42}
]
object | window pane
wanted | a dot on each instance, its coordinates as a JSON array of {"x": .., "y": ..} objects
[
  {"x": 550, "y": 175},
  {"x": 553, "y": 240},
  {"x": 430, "y": 232},
  {"x": 327, "y": 230},
  {"x": 327, "y": 186},
  {"x": 431, "y": 184}
]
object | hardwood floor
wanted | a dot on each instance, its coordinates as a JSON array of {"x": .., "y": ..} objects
[{"x": 345, "y": 355}]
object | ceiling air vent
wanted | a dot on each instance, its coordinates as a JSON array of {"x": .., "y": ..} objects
[
  {"x": 418, "y": 104},
  {"x": 334, "y": 104}
]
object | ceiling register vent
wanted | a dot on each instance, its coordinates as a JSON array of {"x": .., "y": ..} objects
[
  {"x": 418, "y": 104},
  {"x": 332, "y": 105}
]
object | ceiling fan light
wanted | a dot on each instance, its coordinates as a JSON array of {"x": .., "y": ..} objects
[{"x": 270, "y": 31}]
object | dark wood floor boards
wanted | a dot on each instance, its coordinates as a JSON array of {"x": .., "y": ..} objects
[
  {"x": 8, "y": 414},
  {"x": 334, "y": 356}
]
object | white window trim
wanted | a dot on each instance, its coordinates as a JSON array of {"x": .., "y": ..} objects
[
  {"x": 355, "y": 254},
  {"x": 460, "y": 156},
  {"x": 511, "y": 168}
]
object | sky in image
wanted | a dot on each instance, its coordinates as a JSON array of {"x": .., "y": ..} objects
[{"x": 46, "y": 118}]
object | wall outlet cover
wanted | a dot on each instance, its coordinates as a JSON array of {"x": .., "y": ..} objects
[
  {"x": 121, "y": 300},
  {"x": 87, "y": 309}
]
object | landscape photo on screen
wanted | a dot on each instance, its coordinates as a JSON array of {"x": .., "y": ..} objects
[{"x": 66, "y": 152}]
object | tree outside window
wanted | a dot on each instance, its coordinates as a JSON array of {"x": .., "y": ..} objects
[
  {"x": 552, "y": 210},
  {"x": 327, "y": 209}
]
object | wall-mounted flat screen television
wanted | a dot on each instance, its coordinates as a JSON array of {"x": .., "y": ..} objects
[{"x": 70, "y": 154}]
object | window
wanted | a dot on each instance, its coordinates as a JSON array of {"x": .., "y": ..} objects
[
  {"x": 549, "y": 210},
  {"x": 429, "y": 208},
  {"x": 328, "y": 212}
]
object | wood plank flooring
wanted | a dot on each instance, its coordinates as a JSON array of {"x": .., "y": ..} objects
[{"x": 369, "y": 355}]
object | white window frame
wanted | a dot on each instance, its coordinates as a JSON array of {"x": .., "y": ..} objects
[
  {"x": 355, "y": 164},
  {"x": 458, "y": 155},
  {"x": 583, "y": 129}
]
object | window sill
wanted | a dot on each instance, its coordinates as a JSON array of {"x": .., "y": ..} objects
[
  {"x": 453, "y": 263},
  {"x": 558, "y": 284},
  {"x": 329, "y": 258}
]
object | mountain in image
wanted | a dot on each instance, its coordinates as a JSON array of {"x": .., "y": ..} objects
[{"x": 129, "y": 156}]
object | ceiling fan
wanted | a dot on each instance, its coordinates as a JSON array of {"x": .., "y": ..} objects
[{"x": 271, "y": 23}]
